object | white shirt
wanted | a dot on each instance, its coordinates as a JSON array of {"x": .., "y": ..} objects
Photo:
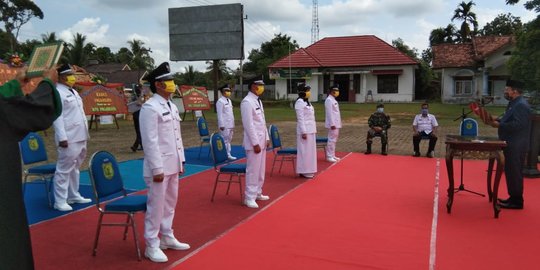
[
  {"x": 71, "y": 125},
  {"x": 305, "y": 117},
  {"x": 255, "y": 131},
  {"x": 161, "y": 137},
  {"x": 333, "y": 115},
  {"x": 225, "y": 113},
  {"x": 425, "y": 124}
]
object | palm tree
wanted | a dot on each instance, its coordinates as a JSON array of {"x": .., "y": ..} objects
[
  {"x": 49, "y": 38},
  {"x": 221, "y": 70},
  {"x": 464, "y": 13},
  {"x": 189, "y": 75},
  {"x": 141, "y": 57},
  {"x": 76, "y": 53}
]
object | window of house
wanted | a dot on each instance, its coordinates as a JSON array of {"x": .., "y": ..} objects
[
  {"x": 463, "y": 86},
  {"x": 292, "y": 85},
  {"x": 387, "y": 84}
]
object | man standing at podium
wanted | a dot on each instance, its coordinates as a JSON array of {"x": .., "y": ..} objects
[{"x": 514, "y": 128}]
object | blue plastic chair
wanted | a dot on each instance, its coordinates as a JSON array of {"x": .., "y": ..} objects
[
  {"x": 321, "y": 142},
  {"x": 468, "y": 127},
  {"x": 280, "y": 154},
  {"x": 107, "y": 183},
  {"x": 223, "y": 165},
  {"x": 33, "y": 151},
  {"x": 203, "y": 133}
]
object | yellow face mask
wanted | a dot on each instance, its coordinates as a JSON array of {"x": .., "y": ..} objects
[
  {"x": 260, "y": 90},
  {"x": 308, "y": 94},
  {"x": 170, "y": 86},
  {"x": 227, "y": 93},
  {"x": 335, "y": 93},
  {"x": 70, "y": 80}
]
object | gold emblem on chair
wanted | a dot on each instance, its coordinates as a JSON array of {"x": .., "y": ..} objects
[
  {"x": 276, "y": 134},
  {"x": 219, "y": 145},
  {"x": 33, "y": 144},
  {"x": 203, "y": 125},
  {"x": 469, "y": 125},
  {"x": 108, "y": 170}
]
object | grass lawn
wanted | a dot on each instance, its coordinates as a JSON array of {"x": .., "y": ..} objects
[{"x": 400, "y": 113}]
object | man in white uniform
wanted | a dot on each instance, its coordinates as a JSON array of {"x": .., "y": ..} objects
[
  {"x": 163, "y": 157},
  {"x": 70, "y": 134},
  {"x": 424, "y": 125},
  {"x": 225, "y": 118},
  {"x": 332, "y": 122},
  {"x": 255, "y": 141},
  {"x": 306, "y": 132}
]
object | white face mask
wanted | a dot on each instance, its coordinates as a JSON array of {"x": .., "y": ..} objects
[{"x": 381, "y": 110}]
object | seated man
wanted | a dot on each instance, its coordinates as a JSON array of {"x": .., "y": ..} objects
[
  {"x": 424, "y": 126},
  {"x": 379, "y": 123}
]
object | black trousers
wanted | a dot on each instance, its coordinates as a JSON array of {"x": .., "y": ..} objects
[
  {"x": 420, "y": 136},
  {"x": 137, "y": 130},
  {"x": 514, "y": 159}
]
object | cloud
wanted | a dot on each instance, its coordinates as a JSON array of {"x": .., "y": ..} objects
[{"x": 89, "y": 27}]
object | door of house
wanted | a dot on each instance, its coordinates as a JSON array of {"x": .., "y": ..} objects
[{"x": 343, "y": 81}]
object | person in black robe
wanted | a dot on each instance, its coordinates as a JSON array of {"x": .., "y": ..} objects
[{"x": 19, "y": 115}]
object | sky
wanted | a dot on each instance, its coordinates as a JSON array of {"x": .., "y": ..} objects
[{"x": 112, "y": 23}]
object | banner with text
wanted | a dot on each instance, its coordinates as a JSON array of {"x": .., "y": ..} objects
[
  {"x": 295, "y": 73},
  {"x": 194, "y": 98},
  {"x": 100, "y": 99}
]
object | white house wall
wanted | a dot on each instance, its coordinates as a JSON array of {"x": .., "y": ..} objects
[{"x": 368, "y": 81}]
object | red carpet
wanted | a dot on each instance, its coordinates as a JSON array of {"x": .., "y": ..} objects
[
  {"x": 376, "y": 213},
  {"x": 470, "y": 238},
  {"x": 66, "y": 242},
  {"x": 365, "y": 212}
]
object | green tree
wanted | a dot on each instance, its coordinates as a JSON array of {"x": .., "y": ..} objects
[
  {"x": 140, "y": 56},
  {"x": 49, "y": 38},
  {"x": 424, "y": 74},
  {"x": 465, "y": 14},
  {"x": 103, "y": 55},
  {"x": 5, "y": 39},
  {"x": 75, "y": 53},
  {"x": 191, "y": 77},
  {"x": 124, "y": 56},
  {"x": 25, "y": 48},
  {"x": 502, "y": 25},
  {"x": 269, "y": 52},
  {"x": 524, "y": 64},
  {"x": 443, "y": 35},
  {"x": 14, "y": 14},
  {"x": 529, "y": 5}
]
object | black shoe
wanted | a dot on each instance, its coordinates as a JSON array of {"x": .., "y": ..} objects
[
  {"x": 511, "y": 205},
  {"x": 416, "y": 154},
  {"x": 503, "y": 200},
  {"x": 367, "y": 152},
  {"x": 429, "y": 154},
  {"x": 133, "y": 148},
  {"x": 384, "y": 153}
]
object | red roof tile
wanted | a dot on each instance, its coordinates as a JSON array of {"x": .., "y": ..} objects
[
  {"x": 467, "y": 54},
  {"x": 347, "y": 51}
]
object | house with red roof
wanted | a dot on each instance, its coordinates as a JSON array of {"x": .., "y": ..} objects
[
  {"x": 365, "y": 67},
  {"x": 473, "y": 70}
]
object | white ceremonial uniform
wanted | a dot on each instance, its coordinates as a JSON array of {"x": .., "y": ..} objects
[
  {"x": 425, "y": 124},
  {"x": 306, "y": 159},
  {"x": 255, "y": 133},
  {"x": 225, "y": 118},
  {"x": 333, "y": 118},
  {"x": 163, "y": 153},
  {"x": 70, "y": 126}
]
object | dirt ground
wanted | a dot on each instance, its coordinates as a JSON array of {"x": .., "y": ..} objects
[{"x": 351, "y": 139}]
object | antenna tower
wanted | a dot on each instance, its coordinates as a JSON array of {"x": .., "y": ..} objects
[{"x": 315, "y": 22}]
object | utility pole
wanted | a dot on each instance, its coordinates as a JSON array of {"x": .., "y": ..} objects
[{"x": 315, "y": 22}]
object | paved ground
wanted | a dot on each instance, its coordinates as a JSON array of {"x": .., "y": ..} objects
[{"x": 352, "y": 138}]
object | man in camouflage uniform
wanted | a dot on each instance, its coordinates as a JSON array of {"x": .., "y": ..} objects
[{"x": 379, "y": 123}]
